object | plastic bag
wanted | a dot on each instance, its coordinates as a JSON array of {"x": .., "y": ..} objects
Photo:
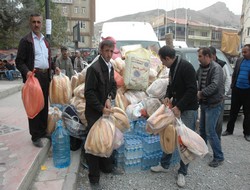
[
  {"x": 100, "y": 139},
  {"x": 32, "y": 96},
  {"x": 160, "y": 119},
  {"x": 53, "y": 116},
  {"x": 191, "y": 140}
]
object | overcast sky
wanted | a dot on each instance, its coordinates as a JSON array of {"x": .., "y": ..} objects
[{"x": 107, "y": 9}]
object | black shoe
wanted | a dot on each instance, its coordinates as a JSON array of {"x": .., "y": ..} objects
[
  {"x": 215, "y": 163},
  {"x": 226, "y": 133},
  {"x": 48, "y": 136},
  {"x": 38, "y": 143},
  {"x": 247, "y": 137}
]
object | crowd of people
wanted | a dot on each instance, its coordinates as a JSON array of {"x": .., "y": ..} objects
[
  {"x": 8, "y": 68},
  {"x": 183, "y": 92}
]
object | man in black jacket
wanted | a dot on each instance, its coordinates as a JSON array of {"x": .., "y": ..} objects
[
  {"x": 100, "y": 88},
  {"x": 34, "y": 53},
  {"x": 181, "y": 93},
  {"x": 240, "y": 93}
]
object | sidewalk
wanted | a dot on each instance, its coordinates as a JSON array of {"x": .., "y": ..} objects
[{"x": 20, "y": 161}]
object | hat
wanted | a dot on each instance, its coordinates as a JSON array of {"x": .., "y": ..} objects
[{"x": 116, "y": 51}]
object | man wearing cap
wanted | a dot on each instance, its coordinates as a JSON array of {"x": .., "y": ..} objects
[
  {"x": 116, "y": 52},
  {"x": 64, "y": 63}
]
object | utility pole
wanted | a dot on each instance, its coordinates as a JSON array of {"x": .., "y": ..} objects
[{"x": 48, "y": 20}]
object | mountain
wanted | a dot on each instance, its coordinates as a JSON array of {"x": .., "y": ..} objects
[{"x": 217, "y": 14}]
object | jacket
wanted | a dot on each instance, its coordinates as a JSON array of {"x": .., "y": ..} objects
[
  {"x": 65, "y": 65},
  {"x": 98, "y": 87},
  {"x": 214, "y": 89},
  {"x": 182, "y": 86},
  {"x": 236, "y": 72},
  {"x": 26, "y": 56}
]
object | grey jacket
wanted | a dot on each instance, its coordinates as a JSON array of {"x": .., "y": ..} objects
[{"x": 213, "y": 92}]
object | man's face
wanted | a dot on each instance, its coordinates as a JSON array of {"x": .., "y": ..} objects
[
  {"x": 166, "y": 61},
  {"x": 64, "y": 54},
  {"x": 36, "y": 24},
  {"x": 246, "y": 52},
  {"x": 203, "y": 59},
  {"x": 107, "y": 53}
]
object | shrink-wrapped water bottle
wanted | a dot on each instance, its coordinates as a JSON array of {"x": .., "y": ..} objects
[{"x": 60, "y": 146}]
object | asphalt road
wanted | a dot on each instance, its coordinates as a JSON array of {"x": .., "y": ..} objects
[{"x": 233, "y": 174}]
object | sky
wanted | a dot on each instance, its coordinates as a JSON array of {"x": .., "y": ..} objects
[{"x": 108, "y": 9}]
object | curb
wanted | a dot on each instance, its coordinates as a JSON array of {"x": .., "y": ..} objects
[
  {"x": 70, "y": 180},
  {"x": 10, "y": 91},
  {"x": 34, "y": 168}
]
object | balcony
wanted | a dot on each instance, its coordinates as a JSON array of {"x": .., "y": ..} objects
[{"x": 193, "y": 37}]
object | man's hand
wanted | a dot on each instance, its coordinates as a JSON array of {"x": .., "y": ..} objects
[
  {"x": 57, "y": 70},
  {"x": 176, "y": 112},
  {"x": 29, "y": 73},
  {"x": 167, "y": 102},
  {"x": 199, "y": 95}
]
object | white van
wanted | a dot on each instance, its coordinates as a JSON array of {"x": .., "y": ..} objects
[{"x": 131, "y": 33}]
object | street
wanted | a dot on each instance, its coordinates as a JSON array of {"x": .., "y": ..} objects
[{"x": 233, "y": 174}]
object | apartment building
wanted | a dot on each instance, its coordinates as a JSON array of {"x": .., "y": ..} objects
[
  {"x": 78, "y": 13},
  {"x": 245, "y": 23},
  {"x": 194, "y": 33}
]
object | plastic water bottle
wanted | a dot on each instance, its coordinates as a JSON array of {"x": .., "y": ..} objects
[{"x": 60, "y": 146}]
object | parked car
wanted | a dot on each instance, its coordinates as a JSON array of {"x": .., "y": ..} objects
[{"x": 191, "y": 55}]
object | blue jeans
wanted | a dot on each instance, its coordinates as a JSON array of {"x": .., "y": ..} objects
[
  {"x": 208, "y": 122},
  {"x": 189, "y": 118},
  {"x": 9, "y": 74}
]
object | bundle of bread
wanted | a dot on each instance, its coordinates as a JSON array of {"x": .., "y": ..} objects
[
  {"x": 60, "y": 89},
  {"x": 161, "y": 118},
  {"x": 79, "y": 102},
  {"x": 168, "y": 139},
  {"x": 121, "y": 101},
  {"x": 76, "y": 80},
  {"x": 119, "y": 65},
  {"x": 151, "y": 105},
  {"x": 54, "y": 115},
  {"x": 192, "y": 140},
  {"x": 100, "y": 139},
  {"x": 121, "y": 119},
  {"x": 186, "y": 155}
]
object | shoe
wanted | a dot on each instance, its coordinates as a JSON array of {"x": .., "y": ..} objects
[
  {"x": 181, "y": 180},
  {"x": 215, "y": 163},
  {"x": 48, "y": 136},
  {"x": 158, "y": 169},
  {"x": 226, "y": 133},
  {"x": 38, "y": 143},
  {"x": 247, "y": 137},
  {"x": 95, "y": 186}
]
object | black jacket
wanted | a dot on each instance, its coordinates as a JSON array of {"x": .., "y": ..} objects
[
  {"x": 98, "y": 87},
  {"x": 182, "y": 85},
  {"x": 26, "y": 56}
]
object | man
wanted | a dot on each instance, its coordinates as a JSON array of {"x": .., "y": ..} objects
[
  {"x": 78, "y": 62},
  {"x": 10, "y": 70},
  {"x": 227, "y": 83},
  {"x": 34, "y": 53},
  {"x": 210, "y": 95},
  {"x": 100, "y": 88},
  {"x": 64, "y": 63},
  {"x": 240, "y": 93},
  {"x": 182, "y": 89}
]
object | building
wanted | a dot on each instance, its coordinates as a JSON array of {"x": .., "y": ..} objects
[
  {"x": 194, "y": 33},
  {"x": 245, "y": 23},
  {"x": 78, "y": 13}
]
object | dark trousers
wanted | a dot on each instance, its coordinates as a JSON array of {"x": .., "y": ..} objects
[
  {"x": 240, "y": 97},
  {"x": 38, "y": 125},
  {"x": 97, "y": 164}
]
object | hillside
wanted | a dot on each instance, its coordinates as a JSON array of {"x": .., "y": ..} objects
[{"x": 217, "y": 14}]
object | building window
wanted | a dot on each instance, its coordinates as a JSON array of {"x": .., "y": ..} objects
[
  {"x": 204, "y": 34},
  {"x": 83, "y": 10},
  {"x": 76, "y": 10},
  {"x": 82, "y": 39},
  {"x": 191, "y": 32},
  {"x": 64, "y": 10},
  {"x": 203, "y": 44},
  {"x": 248, "y": 31}
]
